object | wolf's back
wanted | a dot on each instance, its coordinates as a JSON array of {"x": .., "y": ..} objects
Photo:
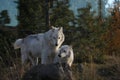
[{"x": 18, "y": 43}]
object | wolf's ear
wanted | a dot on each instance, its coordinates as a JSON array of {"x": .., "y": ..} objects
[
  {"x": 52, "y": 27},
  {"x": 61, "y": 29}
]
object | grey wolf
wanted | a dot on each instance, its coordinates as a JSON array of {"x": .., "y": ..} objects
[
  {"x": 42, "y": 45},
  {"x": 65, "y": 55}
]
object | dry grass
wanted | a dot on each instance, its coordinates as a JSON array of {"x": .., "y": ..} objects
[
  {"x": 110, "y": 70},
  {"x": 12, "y": 72},
  {"x": 88, "y": 72}
]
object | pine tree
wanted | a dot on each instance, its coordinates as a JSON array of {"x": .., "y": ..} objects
[
  {"x": 88, "y": 37},
  {"x": 4, "y": 18},
  {"x": 31, "y": 15},
  {"x": 61, "y": 15}
]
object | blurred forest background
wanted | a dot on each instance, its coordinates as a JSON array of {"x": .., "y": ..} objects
[{"x": 95, "y": 38}]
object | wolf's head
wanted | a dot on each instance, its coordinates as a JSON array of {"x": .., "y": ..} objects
[
  {"x": 65, "y": 54},
  {"x": 57, "y": 37},
  {"x": 65, "y": 51}
]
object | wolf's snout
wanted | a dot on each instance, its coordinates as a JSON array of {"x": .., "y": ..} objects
[
  {"x": 59, "y": 55},
  {"x": 56, "y": 44}
]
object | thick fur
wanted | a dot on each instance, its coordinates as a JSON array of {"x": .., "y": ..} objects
[
  {"x": 65, "y": 55},
  {"x": 42, "y": 45}
]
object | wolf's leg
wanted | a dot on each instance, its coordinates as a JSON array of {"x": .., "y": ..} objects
[
  {"x": 32, "y": 60},
  {"x": 24, "y": 56},
  {"x": 36, "y": 61},
  {"x": 44, "y": 59}
]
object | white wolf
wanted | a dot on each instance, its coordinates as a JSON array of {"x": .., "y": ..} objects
[
  {"x": 42, "y": 45},
  {"x": 65, "y": 55}
]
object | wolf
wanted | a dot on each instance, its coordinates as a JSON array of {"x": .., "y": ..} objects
[
  {"x": 65, "y": 55},
  {"x": 41, "y": 45}
]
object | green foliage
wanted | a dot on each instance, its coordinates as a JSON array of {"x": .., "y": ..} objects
[
  {"x": 88, "y": 38},
  {"x": 62, "y": 15},
  {"x": 31, "y": 16}
]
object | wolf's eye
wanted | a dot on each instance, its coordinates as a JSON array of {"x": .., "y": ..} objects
[
  {"x": 64, "y": 51},
  {"x": 58, "y": 37}
]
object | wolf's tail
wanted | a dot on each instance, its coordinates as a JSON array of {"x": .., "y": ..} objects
[{"x": 18, "y": 43}]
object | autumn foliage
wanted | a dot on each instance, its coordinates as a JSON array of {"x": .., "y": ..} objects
[{"x": 113, "y": 33}]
